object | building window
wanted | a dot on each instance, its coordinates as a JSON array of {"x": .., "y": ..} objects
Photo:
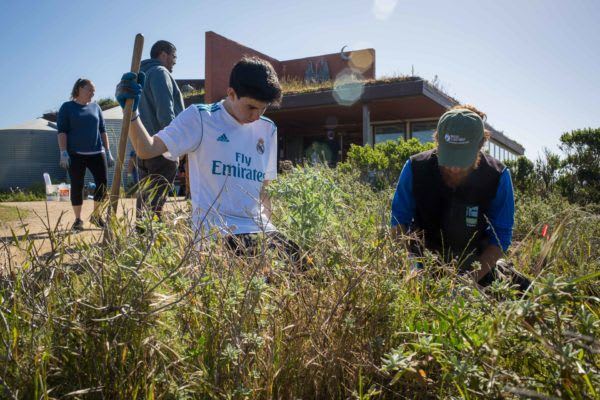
[
  {"x": 423, "y": 131},
  {"x": 384, "y": 133}
]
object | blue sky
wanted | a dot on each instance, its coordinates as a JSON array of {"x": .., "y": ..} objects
[{"x": 532, "y": 65}]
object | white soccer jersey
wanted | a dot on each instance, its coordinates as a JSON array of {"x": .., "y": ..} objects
[{"x": 228, "y": 163}]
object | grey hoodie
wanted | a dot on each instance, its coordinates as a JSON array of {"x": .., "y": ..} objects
[{"x": 161, "y": 99}]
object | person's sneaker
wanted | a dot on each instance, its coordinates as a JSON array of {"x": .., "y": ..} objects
[
  {"x": 97, "y": 221},
  {"x": 77, "y": 225}
]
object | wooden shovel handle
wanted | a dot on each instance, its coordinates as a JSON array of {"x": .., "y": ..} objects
[{"x": 127, "y": 112}]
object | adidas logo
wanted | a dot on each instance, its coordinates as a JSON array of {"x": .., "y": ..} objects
[{"x": 223, "y": 138}]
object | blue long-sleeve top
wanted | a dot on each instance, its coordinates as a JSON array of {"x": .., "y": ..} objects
[
  {"x": 500, "y": 214},
  {"x": 83, "y": 125}
]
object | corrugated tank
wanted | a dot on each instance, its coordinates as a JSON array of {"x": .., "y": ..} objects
[
  {"x": 112, "y": 121},
  {"x": 26, "y": 152}
]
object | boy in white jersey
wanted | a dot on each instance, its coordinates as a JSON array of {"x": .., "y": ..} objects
[{"x": 231, "y": 148}]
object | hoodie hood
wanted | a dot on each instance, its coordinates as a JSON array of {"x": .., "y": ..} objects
[{"x": 149, "y": 63}]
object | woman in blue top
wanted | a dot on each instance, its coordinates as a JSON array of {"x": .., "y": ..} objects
[{"x": 84, "y": 144}]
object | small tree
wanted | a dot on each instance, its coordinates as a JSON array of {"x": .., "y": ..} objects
[
  {"x": 581, "y": 179},
  {"x": 522, "y": 172},
  {"x": 547, "y": 169}
]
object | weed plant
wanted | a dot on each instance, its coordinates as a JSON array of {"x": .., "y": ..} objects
[{"x": 155, "y": 316}]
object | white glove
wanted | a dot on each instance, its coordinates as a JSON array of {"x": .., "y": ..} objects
[{"x": 65, "y": 160}]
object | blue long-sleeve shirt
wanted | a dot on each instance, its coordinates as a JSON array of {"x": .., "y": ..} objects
[
  {"x": 83, "y": 125},
  {"x": 501, "y": 211}
]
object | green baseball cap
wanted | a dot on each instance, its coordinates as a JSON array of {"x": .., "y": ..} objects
[{"x": 459, "y": 134}]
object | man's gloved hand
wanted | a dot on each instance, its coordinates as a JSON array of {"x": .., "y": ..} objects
[
  {"x": 130, "y": 87},
  {"x": 110, "y": 161},
  {"x": 65, "y": 160}
]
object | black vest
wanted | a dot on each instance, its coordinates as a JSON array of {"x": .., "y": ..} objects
[{"x": 454, "y": 221}]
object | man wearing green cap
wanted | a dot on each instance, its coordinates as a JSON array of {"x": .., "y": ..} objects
[{"x": 457, "y": 198}]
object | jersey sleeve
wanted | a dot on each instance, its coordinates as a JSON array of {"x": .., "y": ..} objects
[
  {"x": 403, "y": 204},
  {"x": 271, "y": 170},
  {"x": 502, "y": 213},
  {"x": 184, "y": 134}
]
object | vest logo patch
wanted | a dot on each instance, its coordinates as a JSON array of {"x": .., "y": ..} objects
[
  {"x": 455, "y": 139},
  {"x": 471, "y": 217},
  {"x": 260, "y": 146},
  {"x": 223, "y": 138}
]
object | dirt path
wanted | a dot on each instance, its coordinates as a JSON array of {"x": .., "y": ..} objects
[{"x": 58, "y": 216}]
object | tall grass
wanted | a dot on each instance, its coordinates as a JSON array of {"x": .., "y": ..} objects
[{"x": 154, "y": 317}]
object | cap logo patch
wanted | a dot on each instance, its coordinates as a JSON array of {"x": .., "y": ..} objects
[{"x": 455, "y": 139}]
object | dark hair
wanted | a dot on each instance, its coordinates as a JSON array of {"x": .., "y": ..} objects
[
  {"x": 81, "y": 82},
  {"x": 160, "y": 46},
  {"x": 255, "y": 78}
]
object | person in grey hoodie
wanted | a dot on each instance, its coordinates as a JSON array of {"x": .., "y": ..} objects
[{"x": 160, "y": 103}]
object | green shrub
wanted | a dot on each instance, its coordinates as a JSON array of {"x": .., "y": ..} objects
[
  {"x": 106, "y": 103},
  {"x": 381, "y": 165},
  {"x": 316, "y": 203},
  {"x": 34, "y": 193}
]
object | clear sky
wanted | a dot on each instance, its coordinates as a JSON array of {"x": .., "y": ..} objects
[{"x": 532, "y": 65}]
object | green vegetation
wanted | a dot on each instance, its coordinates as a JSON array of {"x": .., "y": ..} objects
[
  {"x": 194, "y": 97},
  {"x": 381, "y": 164},
  {"x": 33, "y": 193},
  {"x": 107, "y": 102},
  {"x": 193, "y": 93},
  {"x": 155, "y": 317},
  {"x": 576, "y": 176},
  {"x": 9, "y": 214},
  {"x": 299, "y": 86}
]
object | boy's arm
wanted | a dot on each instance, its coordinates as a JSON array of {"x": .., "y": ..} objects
[
  {"x": 183, "y": 135},
  {"x": 145, "y": 146}
]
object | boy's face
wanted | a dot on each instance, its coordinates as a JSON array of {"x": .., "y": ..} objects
[{"x": 245, "y": 109}]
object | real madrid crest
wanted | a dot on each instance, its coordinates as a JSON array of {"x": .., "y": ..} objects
[{"x": 260, "y": 146}]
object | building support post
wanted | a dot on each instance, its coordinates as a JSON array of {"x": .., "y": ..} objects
[{"x": 366, "y": 120}]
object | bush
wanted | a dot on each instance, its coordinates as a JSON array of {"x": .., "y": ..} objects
[
  {"x": 381, "y": 165},
  {"x": 34, "y": 193},
  {"x": 106, "y": 103},
  {"x": 317, "y": 203}
]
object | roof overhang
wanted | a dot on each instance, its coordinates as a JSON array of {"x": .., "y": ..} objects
[{"x": 387, "y": 101}]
